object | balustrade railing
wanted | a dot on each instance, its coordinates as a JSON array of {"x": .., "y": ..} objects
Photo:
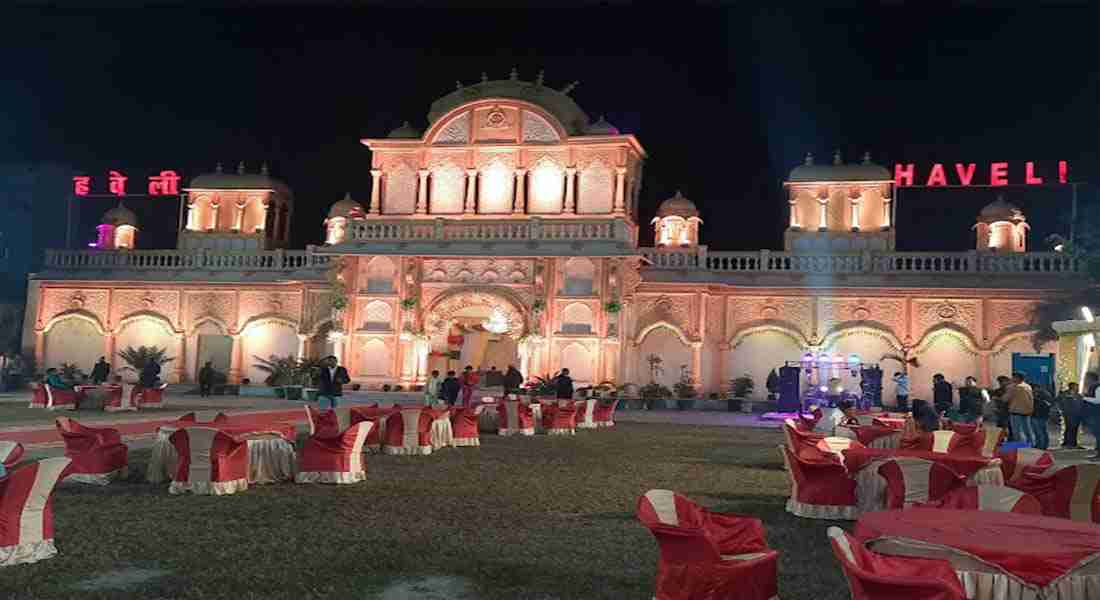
[
  {"x": 908, "y": 263},
  {"x": 533, "y": 229},
  {"x": 168, "y": 260}
]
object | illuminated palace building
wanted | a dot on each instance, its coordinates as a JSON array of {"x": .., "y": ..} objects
[{"x": 507, "y": 233}]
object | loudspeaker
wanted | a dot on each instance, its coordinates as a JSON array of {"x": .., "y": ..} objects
[
  {"x": 789, "y": 397},
  {"x": 871, "y": 383}
]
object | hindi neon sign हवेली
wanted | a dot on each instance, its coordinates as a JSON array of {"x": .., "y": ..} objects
[
  {"x": 165, "y": 183},
  {"x": 963, "y": 174}
]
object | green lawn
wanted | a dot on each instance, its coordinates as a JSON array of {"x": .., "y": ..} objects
[{"x": 520, "y": 518}]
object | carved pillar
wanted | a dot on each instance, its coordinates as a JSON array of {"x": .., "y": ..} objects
[
  {"x": 823, "y": 214},
  {"x": 215, "y": 208},
  {"x": 235, "y": 360},
  {"x": 191, "y": 224},
  {"x": 620, "y": 190},
  {"x": 855, "y": 212},
  {"x": 471, "y": 191},
  {"x": 986, "y": 369},
  {"x": 886, "y": 212},
  {"x": 422, "y": 192},
  {"x": 181, "y": 358},
  {"x": 521, "y": 192},
  {"x": 302, "y": 338},
  {"x": 264, "y": 226},
  {"x": 793, "y": 202},
  {"x": 375, "y": 187},
  {"x": 723, "y": 367},
  {"x": 238, "y": 219},
  {"x": 109, "y": 349},
  {"x": 697, "y": 362},
  {"x": 570, "y": 174}
]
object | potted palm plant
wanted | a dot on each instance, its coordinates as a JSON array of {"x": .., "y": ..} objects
[
  {"x": 306, "y": 373},
  {"x": 740, "y": 389},
  {"x": 281, "y": 373},
  {"x": 685, "y": 390},
  {"x": 653, "y": 392},
  {"x": 136, "y": 359}
]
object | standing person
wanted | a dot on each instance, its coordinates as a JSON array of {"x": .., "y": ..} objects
[
  {"x": 100, "y": 371},
  {"x": 1000, "y": 402},
  {"x": 333, "y": 377},
  {"x": 431, "y": 389},
  {"x": 901, "y": 380},
  {"x": 970, "y": 400},
  {"x": 450, "y": 388},
  {"x": 563, "y": 385},
  {"x": 206, "y": 379},
  {"x": 1040, "y": 417},
  {"x": 470, "y": 379},
  {"x": 843, "y": 414},
  {"x": 513, "y": 380},
  {"x": 942, "y": 394},
  {"x": 1072, "y": 404},
  {"x": 1090, "y": 413},
  {"x": 150, "y": 375},
  {"x": 1021, "y": 403}
]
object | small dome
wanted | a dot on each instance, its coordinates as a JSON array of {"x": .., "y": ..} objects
[
  {"x": 405, "y": 132},
  {"x": 601, "y": 127},
  {"x": 839, "y": 171},
  {"x": 240, "y": 180},
  {"x": 120, "y": 215},
  {"x": 346, "y": 208},
  {"x": 1000, "y": 210},
  {"x": 678, "y": 206}
]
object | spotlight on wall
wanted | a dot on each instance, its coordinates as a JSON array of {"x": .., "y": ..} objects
[{"x": 1085, "y": 312}]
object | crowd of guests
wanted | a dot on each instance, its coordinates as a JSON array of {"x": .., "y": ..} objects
[
  {"x": 449, "y": 388},
  {"x": 1022, "y": 408}
]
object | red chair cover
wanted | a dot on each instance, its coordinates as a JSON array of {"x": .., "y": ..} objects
[
  {"x": 517, "y": 418},
  {"x": 797, "y": 437},
  {"x": 49, "y": 397},
  {"x": 210, "y": 462},
  {"x": 376, "y": 415},
  {"x": 943, "y": 441},
  {"x": 874, "y": 576},
  {"x": 1069, "y": 492},
  {"x": 820, "y": 487},
  {"x": 586, "y": 413},
  {"x": 705, "y": 555},
  {"x": 192, "y": 418},
  {"x": 113, "y": 401},
  {"x": 559, "y": 419},
  {"x": 10, "y": 453},
  {"x": 996, "y": 498},
  {"x": 408, "y": 431},
  {"x": 26, "y": 511},
  {"x": 464, "y": 425},
  {"x": 1017, "y": 464},
  {"x": 98, "y": 454},
  {"x": 604, "y": 414},
  {"x": 334, "y": 459},
  {"x": 148, "y": 397},
  {"x": 914, "y": 480}
]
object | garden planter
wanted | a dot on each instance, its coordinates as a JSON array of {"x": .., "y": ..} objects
[
  {"x": 311, "y": 394},
  {"x": 280, "y": 392},
  {"x": 293, "y": 392},
  {"x": 685, "y": 404}
]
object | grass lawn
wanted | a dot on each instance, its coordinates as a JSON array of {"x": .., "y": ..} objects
[{"x": 539, "y": 518}]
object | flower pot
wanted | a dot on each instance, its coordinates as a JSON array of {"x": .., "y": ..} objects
[
  {"x": 293, "y": 392},
  {"x": 685, "y": 403},
  {"x": 280, "y": 392},
  {"x": 311, "y": 394},
  {"x": 733, "y": 404}
]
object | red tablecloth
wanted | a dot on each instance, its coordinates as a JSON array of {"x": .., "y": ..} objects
[
  {"x": 963, "y": 464},
  {"x": 1035, "y": 549}
]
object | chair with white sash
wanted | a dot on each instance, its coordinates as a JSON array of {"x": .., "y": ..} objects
[{"x": 26, "y": 511}]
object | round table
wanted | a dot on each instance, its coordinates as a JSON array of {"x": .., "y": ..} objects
[
  {"x": 489, "y": 419},
  {"x": 997, "y": 555},
  {"x": 271, "y": 456}
]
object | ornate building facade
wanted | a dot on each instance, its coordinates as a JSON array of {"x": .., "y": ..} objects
[{"x": 507, "y": 233}]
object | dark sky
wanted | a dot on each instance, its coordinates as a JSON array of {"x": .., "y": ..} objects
[{"x": 725, "y": 100}]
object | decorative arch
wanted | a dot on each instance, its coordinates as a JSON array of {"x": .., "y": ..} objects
[
  {"x": 661, "y": 325},
  {"x": 76, "y": 313},
  {"x": 377, "y": 316},
  {"x": 208, "y": 319},
  {"x": 577, "y": 317},
  {"x": 379, "y": 273},
  {"x": 769, "y": 325},
  {"x": 444, "y": 307},
  {"x": 149, "y": 316},
  {"x": 942, "y": 329},
  {"x": 595, "y": 188},
  {"x": 268, "y": 318},
  {"x": 461, "y": 115},
  {"x": 872, "y": 328},
  {"x": 1011, "y": 334}
]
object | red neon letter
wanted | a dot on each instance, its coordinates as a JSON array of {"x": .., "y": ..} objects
[
  {"x": 165, "y": 184},
  {"x": 1029, "y": 174},
  {"x": 937, "y": 176},
  {"x": 81, "y": 185},
  {"x": 118, "y": 183},
  {"x": 965, "y": 172},
  {"x": 903, "y": 174},
  {"x": 1063, "y": 171},
  {"x": 998, "y": 173}
]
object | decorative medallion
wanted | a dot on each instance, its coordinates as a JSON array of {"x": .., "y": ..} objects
[
  {"x": 769, "y": 312},
  {"x": 77, "y": 300},
  {"x": 947, "y": 311},
  {"x": 860, "y": 313},
  {"x": 147, "y": 300},
  {"x": 496, "y": 119}
]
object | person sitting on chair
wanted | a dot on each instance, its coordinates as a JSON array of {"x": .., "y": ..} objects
[{"x": 54, "y": 380}]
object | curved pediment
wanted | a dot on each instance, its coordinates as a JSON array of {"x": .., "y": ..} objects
[{"x": 497, "y": 121}]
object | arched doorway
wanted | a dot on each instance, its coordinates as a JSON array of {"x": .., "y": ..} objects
[{"x": 478, "y": 327}]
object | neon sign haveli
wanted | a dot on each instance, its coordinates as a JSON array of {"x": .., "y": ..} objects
[
  {"x": 166, "y": 183},
  {"x": 963, "y": 175}
]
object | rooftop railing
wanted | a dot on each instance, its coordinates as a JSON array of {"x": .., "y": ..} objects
[
  {"x": 532, "y": 229},
  {"x": 182, "y": 260}
]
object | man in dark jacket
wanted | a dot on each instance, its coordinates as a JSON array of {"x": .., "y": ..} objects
[
  {"x": 513, "y": 379},
  {"x": 1040, "y": 417},
  {"x": 942, "y": 394},
  {"x": 1072, "y": 404},
  {"x": 206, "y": 379},
  {"x": 563, "y": 385},
  {"x": 150, "y": 375},
  {"x": 449, "y": 388},
  {"x": 100, "y": 371},
  {"x": 332, "y": 379}
]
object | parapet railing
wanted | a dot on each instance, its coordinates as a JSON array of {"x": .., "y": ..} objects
[
  {"x": 181, "y": 260},
  {"x": 531, "y": 229}
]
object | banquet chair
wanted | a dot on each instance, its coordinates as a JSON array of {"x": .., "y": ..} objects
[
  {"x": 517, "y": 419},
  {"x": 873, "y": 576},
  {"x": 48, "y": 397},
  {"x": 210, "y": 462},
  {"x": 312, "y": 415},
  {"x": 207, "y": 417},
  {"x": 10, "y": 453},
  {"x": 993, "y": 498},
  {"x": 798, "y": 437},
  {"x": 820, "y": 487},
  {"x": 98, "y": 453},
  {"x": 338, "y": 458},
  {"x": 559, "y": 419},
  {"x": 148, "y": 397},
  {"x": 705, "y": 554},
  {"x": 408, "y": 431},
  {"x": 991, "y": 438},
  {"x": 604, "y": 414},
  {"x": 1016, "y": 464},
  {"x": 464, "y": 425},
  {"x": 376, "y": 415},
  {"x": 1068, "y": 492},
  {"x": 26, "y": 511},
  {"x": 586, "y": 413},
  {"x": 915, "y": 480},
  {"x": 116, "y": 400}
]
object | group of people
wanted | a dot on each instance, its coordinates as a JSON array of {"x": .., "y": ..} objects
[
  {"x": 1016, "y": 405},
  {"x": 448, "y": 389}
]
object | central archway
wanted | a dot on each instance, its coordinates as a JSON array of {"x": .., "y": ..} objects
[{"x": 453, "y": 323}]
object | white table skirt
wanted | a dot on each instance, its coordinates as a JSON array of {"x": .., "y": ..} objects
[
  {"x": 442, "y": 433},
  {"x": 270, "y": 459},
  {"x": 489, "y": 420},
  {"x": 871, "y": 487}
]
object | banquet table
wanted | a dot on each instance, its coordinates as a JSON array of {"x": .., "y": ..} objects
[
  {"x": 489, "y": 419},
  {"x": 997, "y": 555},
  {"x": 862, "y": 465},
  {"x": 271, "y": 455},
  {"x": 442, "y": 432},
  {"x": 872, "y": 436},
  {"x": 94, "y": 396}
]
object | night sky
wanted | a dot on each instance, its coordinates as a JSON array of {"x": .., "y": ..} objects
[{"x": 725, "y": 100}]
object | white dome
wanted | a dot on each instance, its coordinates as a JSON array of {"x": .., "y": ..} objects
[
  {"x": 838, "y": 171},
  {"x": 678, "y": 206},
  {"x": 557, "y": 102},
  {"x": 405, "y": 132},
  {"x": 346, "y": 208},
  {"x": 1000, "y": 210},
  {"x": 120, "y": 215}
]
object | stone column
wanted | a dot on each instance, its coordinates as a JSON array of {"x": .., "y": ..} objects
[
  {"x": 823, "y": 214},
  {"x": 620, "y": 190},
  {"x": 191, "y": 224},
  {"x": 521, "y": 192},
  {"x": 886, "y": 224},
  {"x": 235, "y": 359},
  {"x": 697, "y": 362},
  {"x": 109, "y": 349},
  {"x": 855, "y": 212},
  {"x": 302, "y": 345},
  {"x": 471, "y": 191},
  {"x": 375, "y": 188},
  {"x": 793, "y": 202},
  {"x": 238, "y": 220},
  {"x": 215, "y": 208},
  {"x": 570, "y": 174},
  {"x": 422, "y": 192},
  {"x": 181, "y": 358},
  {"x": 986, "y": 368}
]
